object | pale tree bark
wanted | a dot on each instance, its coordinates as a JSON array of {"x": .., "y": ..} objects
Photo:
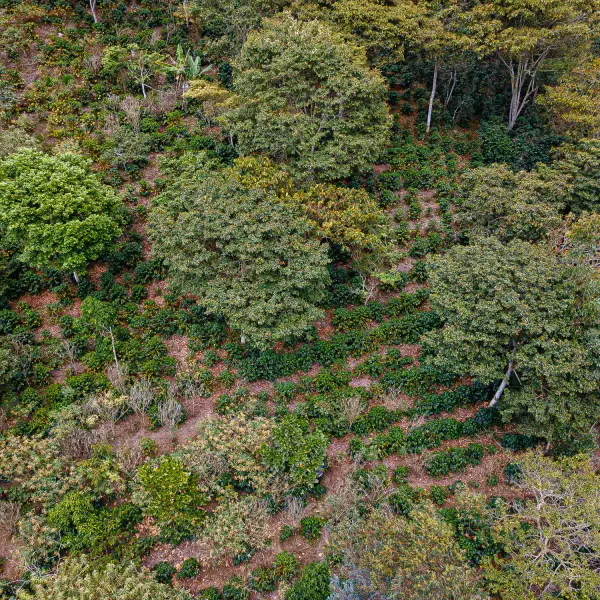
[
  {"x": 523, "y": 82},
  {"x": 436, "y": 68},
  {"x": 93, "y": 10},
  {"x": 502, "y": 387}
]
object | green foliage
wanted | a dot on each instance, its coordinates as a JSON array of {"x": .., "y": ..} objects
[
  {"x": 55, "y": 209},
  {"x": 292, "y": 79},
  {"x": 285, "y": 566},
  {"x": 164, "y": 571},
  {"x": 517, "y": 305},
  {"x": 385, "y": 554},
  {"x": 170, "y": 494},
  {"x": 313, "y": 583},
  {"x": 190, "y": 567},
  {"x": 453, "y": 460},
  {"x": 227, "y": 224},
  {"x": 310, "y": 527},
  {"x": 295, "y": 450},
  {"x": 551, "y": 542},
  {"x": 79, "y": 579},
  {"x": 496, "y": 201}
]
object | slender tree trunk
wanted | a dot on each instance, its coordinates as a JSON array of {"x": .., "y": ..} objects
[
  {"x": 143, "y": 89},
  {"x": 93, "y": 9},
  {"x": 502, "y": 387},
  {"x": 432, "y": 96},
  {"x": 76, "y": 277},
  {"x": 112, "y": 341}
]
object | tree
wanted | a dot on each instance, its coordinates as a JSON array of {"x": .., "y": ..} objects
[
  {"x": 306, "y": 97},
  {"x": 140, "y": 64},
  {"x": 390, "y": 556},
  {"x": 517, "y": 315},
  {"x": 574, "y": 104},
  {"x": 170, "y": 494},
  {"x": 80, "y": 579},
  {"x": 381, "y": 27},
  {"x": 497, "y": 201},
  {"x": 226, "y": 24},
  {"x": 9, "y": 362},
  {"x": 55, "y": 210},
  {"x": 579, "y": 166},
  {"x": 552, "y": 541},
  {"x": 345, "y": 216},
  {"x": 246, "y": 256},
  {"x": 443, "y": 38},
  {"x": 527, "y": 35}
]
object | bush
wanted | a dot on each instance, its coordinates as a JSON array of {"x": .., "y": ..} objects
[
  {"x": 285, "y": 566},
  {"x": 262, "y": 580},
  {"x": 313, "y": 583},
  {"x": 286, "y": 533},
  {"x": 189, "y": 568},
  {"x": 454, "y": 459},
  {"x": 163, "y": 571},
  {"x": 310, "y": 527}
]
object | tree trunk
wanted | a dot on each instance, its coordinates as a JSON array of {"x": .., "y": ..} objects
[
  {"x": 112, "y": 341},
  {"x": 143, "y": 89},
  {"x": 93, "y": 9},
  {"x": 502, "y": 387},
  {"x": 432, "y": 96},
  {"x": 76, "y": 277}
]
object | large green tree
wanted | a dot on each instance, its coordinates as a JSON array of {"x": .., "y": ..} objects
[
  {"x": 305, "y": 96},
  {"x": 246, "y": 255},
  {"x": 497, "y": 201},
  {"x": 527, "y": 35},
  {"x": 56, "y": 210},
  {"x": 517, "y": 315}
]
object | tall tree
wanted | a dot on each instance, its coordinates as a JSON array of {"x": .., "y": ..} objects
[
  {"x": 497, "y": 201},
  {"x": 526, "y": 35},
  {"x": 443, "y": 38},
  {"x": 389, "y": 556},
  {"x": 574, "y": 104},
  {"x": 56, "y": 210},
  {"x": 552, "y": 541},
  {"x": 306, "y": 97},
  {"x": 226, "y": 23},
  {"x": 245, "y": 255},
  {"x": 517, "y": 315}
]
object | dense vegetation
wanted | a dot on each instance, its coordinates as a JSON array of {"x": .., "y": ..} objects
[{"x": 299, "y": 299}]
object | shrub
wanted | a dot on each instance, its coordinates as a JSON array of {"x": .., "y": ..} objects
[
  {"x": 263, "y": 580},
  {"x": 310, "y": 527},
  {"x": 189, "y": 568},
  {"x": 454, "y": 459},
  {"x": 313, "y": 583},
  {"x": 438, "y": 494},
  {"x": 286, "y": 533},
  {"x": 400, "y": 475},
  {"x": 285, "y": 566},
  {"x": 164, "y": 571}
]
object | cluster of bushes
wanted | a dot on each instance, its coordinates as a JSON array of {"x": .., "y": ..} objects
[
  {"x": 453, "y": 460},
  {"x": 356, "y": 318},
  {"x": 423, "y": 437},
  {"x": 272, "y": 365}
]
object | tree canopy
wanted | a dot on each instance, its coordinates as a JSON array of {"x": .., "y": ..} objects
[
  {"x": 56, "y": 210},
  {"x": 246, "y": 256},
  {"x": 514, "y": 314},
  {"x": 307, "y": 98}
]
